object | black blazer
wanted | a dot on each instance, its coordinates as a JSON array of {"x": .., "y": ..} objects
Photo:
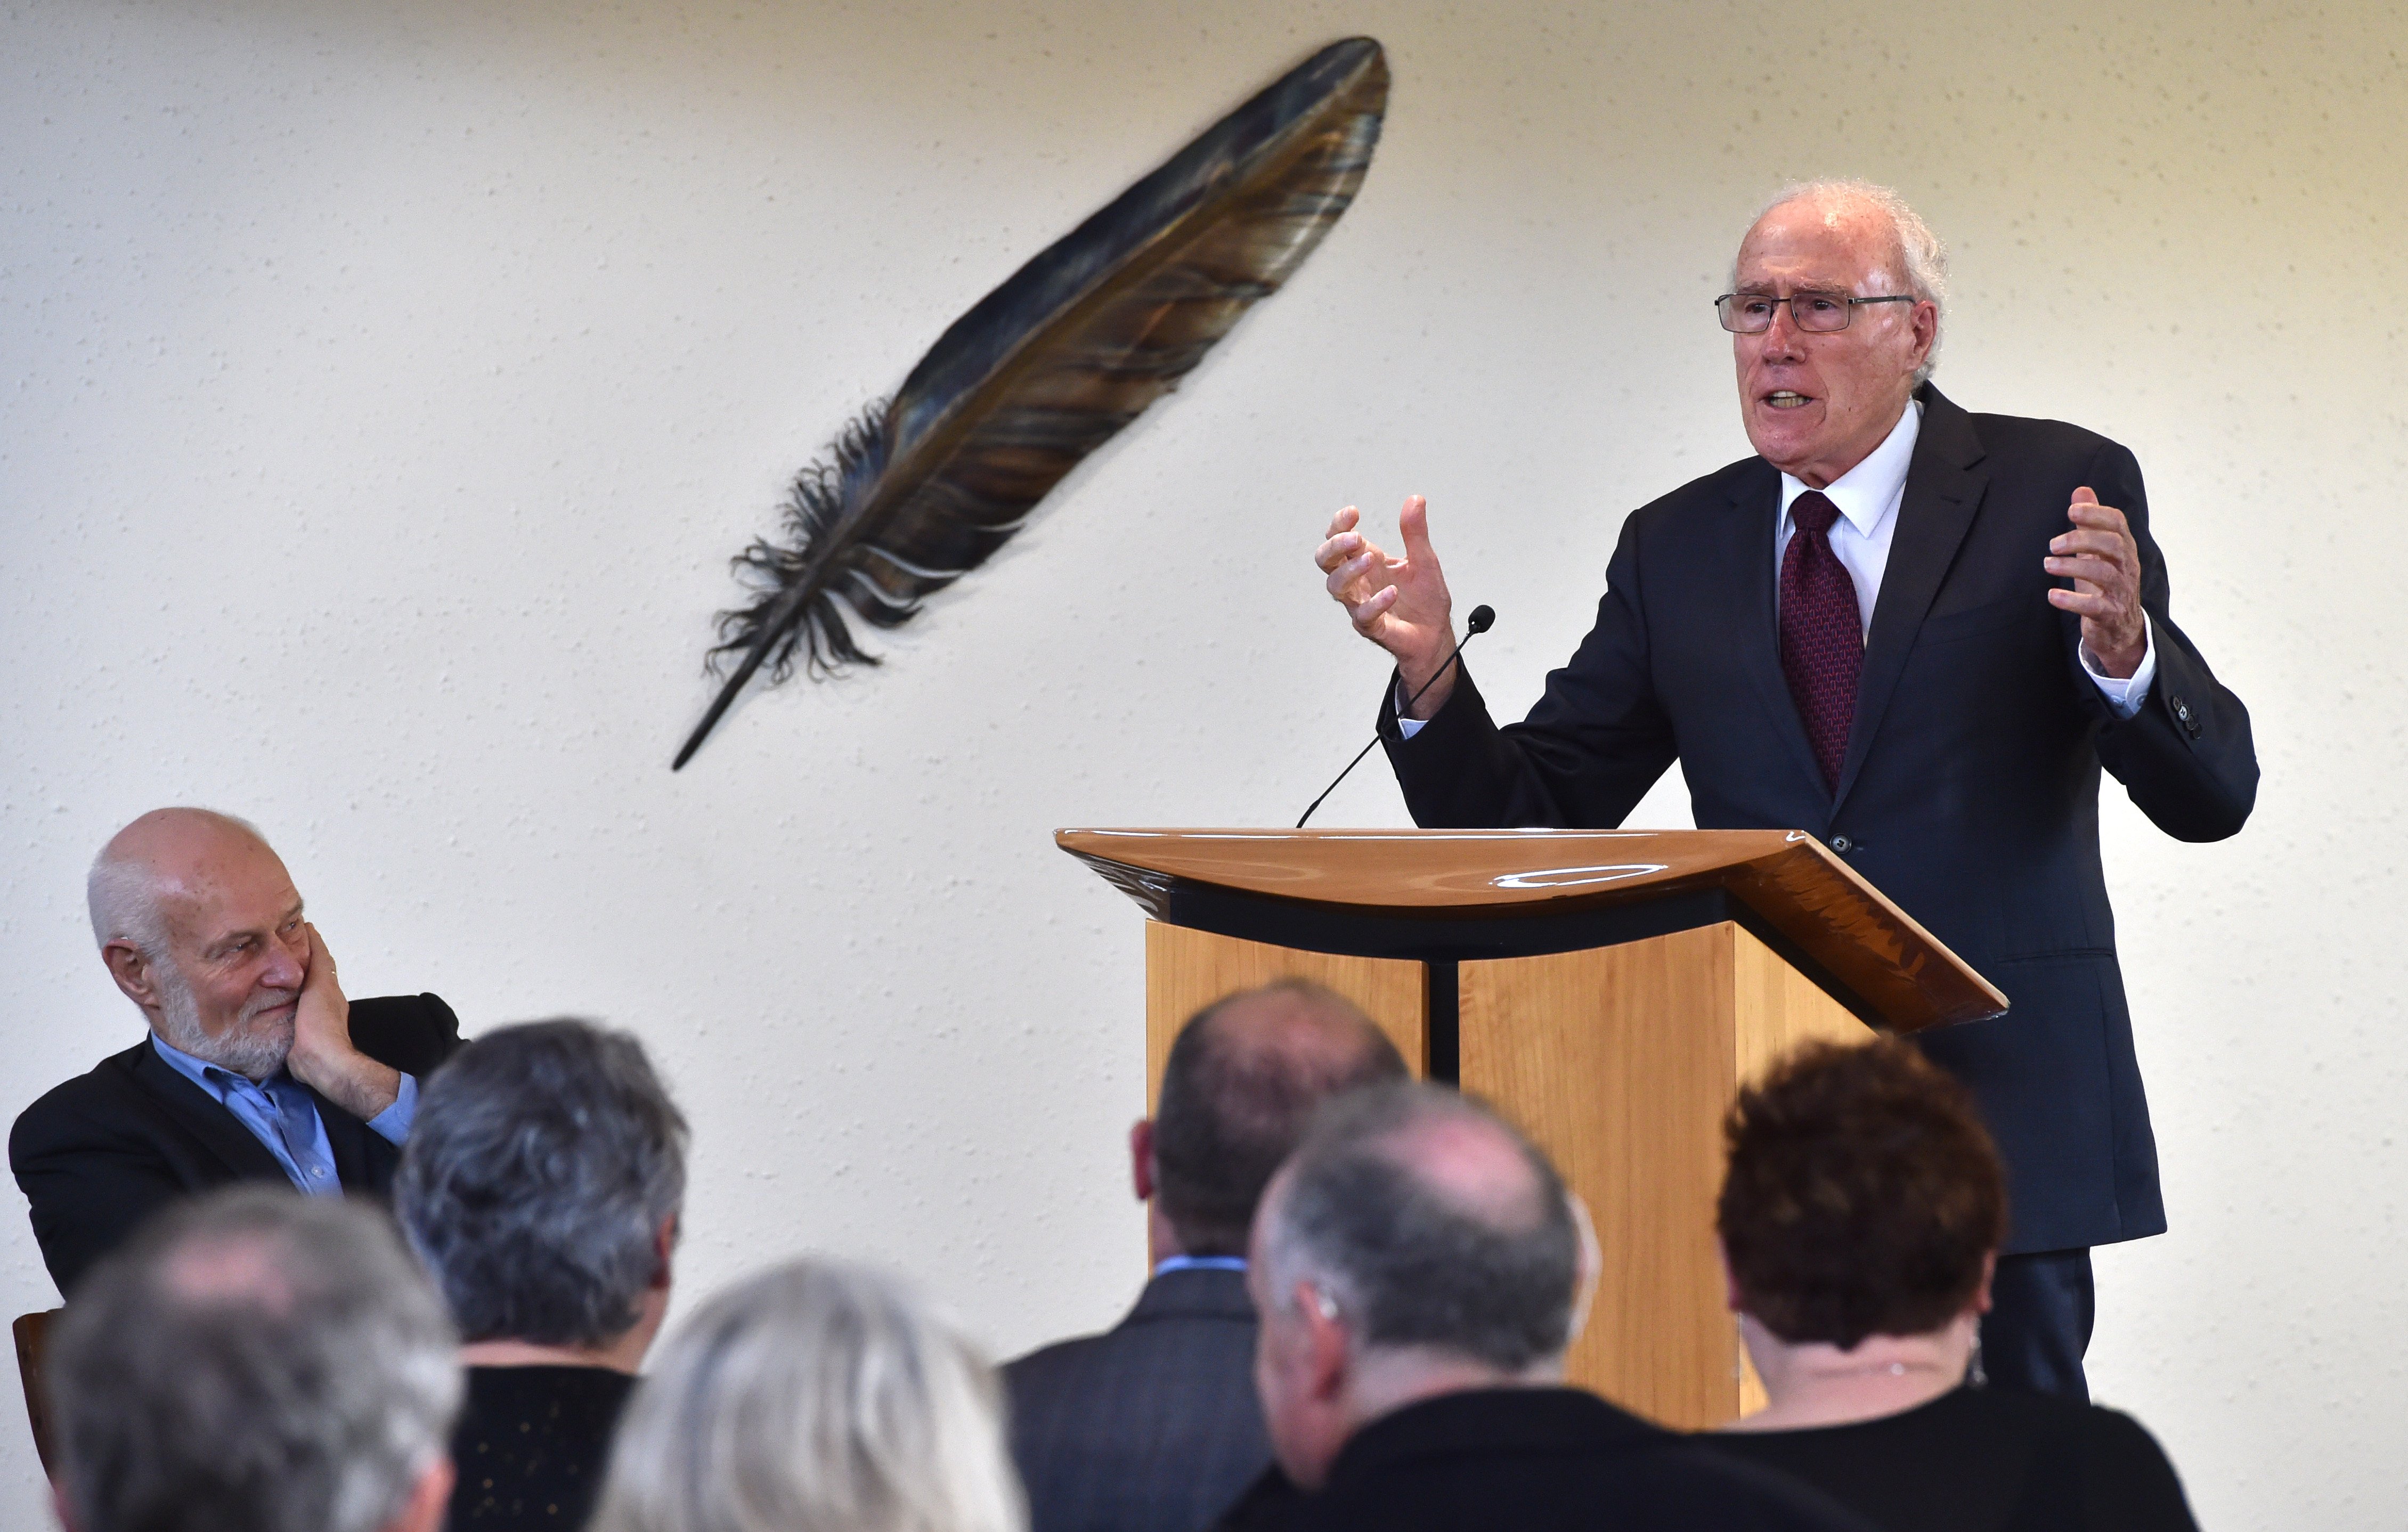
[
  {"x": 1969, "y": 790},
  {"x": 1534, "y": 1460},
  {"x": 101, "y": 1152},
  {"x": 1152, "y": 1426},
  {"x": 1991, "y": 1459}
]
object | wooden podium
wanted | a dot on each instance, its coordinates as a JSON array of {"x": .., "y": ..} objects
[{"x": 1606, "y": 990}]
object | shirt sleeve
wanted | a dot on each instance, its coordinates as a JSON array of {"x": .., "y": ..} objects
[
  {"x": 2124, "y": 697},
  {"x": 393, "y": 1124},
  {"x": 1406, "y": 727}
]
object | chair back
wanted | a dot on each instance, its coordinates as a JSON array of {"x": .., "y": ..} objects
[{"x": 33, "y": 1333}]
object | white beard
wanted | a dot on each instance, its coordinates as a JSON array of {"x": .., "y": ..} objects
[{"x": 253, "y": 1049}]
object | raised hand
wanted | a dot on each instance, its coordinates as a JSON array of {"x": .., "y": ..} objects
[
  {"x": 2105, "y": 561},
  {"x": 322, "y": 1056},
  {"x": 1400, "y": 604}
]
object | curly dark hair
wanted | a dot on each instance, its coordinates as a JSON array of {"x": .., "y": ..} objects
[{"x": 1862, "y": 1195}]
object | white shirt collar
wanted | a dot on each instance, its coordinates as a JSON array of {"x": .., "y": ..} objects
[{"x": 1868, "y": 494}]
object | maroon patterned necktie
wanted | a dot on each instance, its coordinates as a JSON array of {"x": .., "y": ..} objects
[{"x": 1822, "y": 635}]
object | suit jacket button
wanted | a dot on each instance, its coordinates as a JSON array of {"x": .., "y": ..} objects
[{"x": 1841, "y": 844}]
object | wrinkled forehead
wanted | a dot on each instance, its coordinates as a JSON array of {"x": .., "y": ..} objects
[
  {"x": 1810, "y": 242},
  {"x": 236, "y": 884}
]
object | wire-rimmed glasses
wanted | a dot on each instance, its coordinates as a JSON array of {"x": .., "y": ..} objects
[{"x": 1750, "y": 313}]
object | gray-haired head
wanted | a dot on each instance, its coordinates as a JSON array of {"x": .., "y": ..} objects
[
  {"x": 1429, "y": 1221},
  {"x": 1238, "y": 1091},
  {"x": 122, "y": 890},
  {"x": 543, "y": 1162},
  {"x": 251, "y": 1361},
  {"x": 1922, "y": 258},
  {"x": 815, "y": 1397}
]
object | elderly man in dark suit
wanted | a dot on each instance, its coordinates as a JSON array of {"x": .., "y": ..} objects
[
  {"x": 1917, "y": 634},
  {"x": 1154, "y": 1426},
  {"x": 256, "y": 1068},
  {"x": 1417, "y": 1266}
]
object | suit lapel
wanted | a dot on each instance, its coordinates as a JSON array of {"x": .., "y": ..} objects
[
  {"x": 1944, "y": 490},
  {"x": 1755, "y": 620},
  {"x": 216, "y": 1128}
]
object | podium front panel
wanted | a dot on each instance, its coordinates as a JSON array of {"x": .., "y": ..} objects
[{"x": 1620, "y": 1063}]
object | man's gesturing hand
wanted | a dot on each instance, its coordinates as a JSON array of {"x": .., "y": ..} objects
[
  {"x": 2105, "y": 564},
  {"x": 1399, "y": 604},
  {"x": 322, "y": 1057}
]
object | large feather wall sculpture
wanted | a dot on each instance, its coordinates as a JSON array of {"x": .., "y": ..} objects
[{"x": 925, "y": 488}]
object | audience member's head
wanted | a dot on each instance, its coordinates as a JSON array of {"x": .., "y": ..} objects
[
  {"x": 1242, "y": 1083},
  {"x": 200, "y": 926},
  {"x": 1863, "y": 1198},
  {"x": 815, "y": 1397},
  {"x": 542, "y": 1182},
  {"x": 254, "y": 1361},
  {"x": 1415, "y": 1245}
]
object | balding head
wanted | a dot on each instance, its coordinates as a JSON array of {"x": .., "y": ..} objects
[
  {"x": 167, "y": 854},
  {"x": 201, "y": 927},
  {"x": 1414, "y": 1245},
  {"x": 1240, "y": 1085},
  {"x": 1430, "y": 1223}
]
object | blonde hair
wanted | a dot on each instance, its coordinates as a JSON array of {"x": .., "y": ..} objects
[{"x": 817, "y": 1396}]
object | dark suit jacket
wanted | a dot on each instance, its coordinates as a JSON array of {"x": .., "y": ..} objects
[
  {"x": 1970, "y": 791},
  {"x": 1533, "y": 1460},
  {"x": 101, "y": 1152},
  {"x": 1152, "y": 1426}
]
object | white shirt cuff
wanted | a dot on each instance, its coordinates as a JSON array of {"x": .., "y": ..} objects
[
  {"x": 2125, "y": 696},
  {"x": 1406, "y": 727}
]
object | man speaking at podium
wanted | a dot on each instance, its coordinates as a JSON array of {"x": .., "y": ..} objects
[{"x": 1915, "y": 633}]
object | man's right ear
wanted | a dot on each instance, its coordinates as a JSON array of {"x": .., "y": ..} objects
[
  {"x": 1141, "y": 1158},
  {"x": 132, "y": 971}
]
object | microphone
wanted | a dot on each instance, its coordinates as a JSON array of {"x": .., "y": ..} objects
[{"x": 1479, "y": 621}]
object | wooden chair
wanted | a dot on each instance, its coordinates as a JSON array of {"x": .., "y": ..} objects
[{"x": 33, "y": 1333}]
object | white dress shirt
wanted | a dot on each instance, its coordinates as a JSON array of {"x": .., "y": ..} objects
[{"x": 1868, "y": 498}]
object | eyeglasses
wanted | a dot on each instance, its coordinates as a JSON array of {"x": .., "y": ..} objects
[{"x": 1750, "y": 313}]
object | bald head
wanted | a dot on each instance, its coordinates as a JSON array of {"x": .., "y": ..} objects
[
  {"x": 166, "y": 854},
  {"x": 200, "y": 926},
  {"x": 1240, "y": 1085},
  {"x": 1430, "y": 1223}
]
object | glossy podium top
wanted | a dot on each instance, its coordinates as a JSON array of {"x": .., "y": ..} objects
[{"x": 1899, "y": 972}]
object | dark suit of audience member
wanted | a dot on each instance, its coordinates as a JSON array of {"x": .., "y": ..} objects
[
  {"x": 1153, "y": 1426},
  {"x": 256, "y": 1069},
  {"x": 1532, "y": 1459},
  {"x": 541, "y": 1187},
  {"x": 1859, "y": 1211},
  {"x": 1415, "y": 1266},
  {"x": 1985, "y": 1460},
  {"x": 534, "y": 1443},
  {"x": 1152, "y": 1423}
]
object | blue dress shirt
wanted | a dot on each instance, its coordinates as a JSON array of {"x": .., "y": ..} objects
[
  {"x": 280, "y": 1113},
  {"x": 1200, "y": 1262}
]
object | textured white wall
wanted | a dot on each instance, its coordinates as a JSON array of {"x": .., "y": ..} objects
[{"x": 383, "y": 388}]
